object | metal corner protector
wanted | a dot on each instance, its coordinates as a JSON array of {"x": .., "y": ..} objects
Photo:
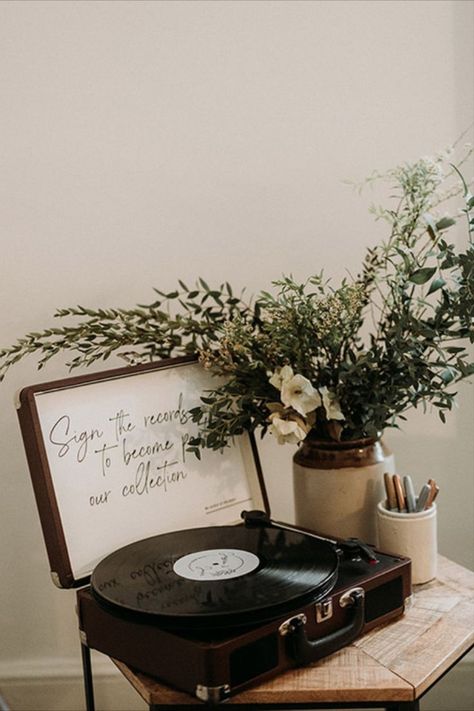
[
  {"x": 212, "y": 694},
  {"x": 56, "y": 580}
]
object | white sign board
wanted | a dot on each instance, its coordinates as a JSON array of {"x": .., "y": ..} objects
[{"x": 117, "y": 460}]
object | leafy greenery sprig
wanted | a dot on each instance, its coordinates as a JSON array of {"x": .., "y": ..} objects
[
  {"x": 138, "y": 335},
  {"x": 310, "y": 358}
]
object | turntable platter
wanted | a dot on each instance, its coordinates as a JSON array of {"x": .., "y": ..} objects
[{"x": 214, "y": 577}]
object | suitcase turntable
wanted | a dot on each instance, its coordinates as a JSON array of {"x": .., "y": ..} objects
[
  {"x": 173, "y": 583},
  {"x": 239, "y": 604}
]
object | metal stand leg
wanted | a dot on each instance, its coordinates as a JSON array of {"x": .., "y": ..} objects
[{"x": 87, "y": 672}]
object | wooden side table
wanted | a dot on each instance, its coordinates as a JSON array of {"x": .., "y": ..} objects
[{"x": 390, "y": 667}]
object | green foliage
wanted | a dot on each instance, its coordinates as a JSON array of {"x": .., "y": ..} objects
[{"x": 396, "y": 336}]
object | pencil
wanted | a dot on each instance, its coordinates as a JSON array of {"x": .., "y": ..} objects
[
  {"x": 397, "y": 482},
  {"x": 390, "y": 489}
]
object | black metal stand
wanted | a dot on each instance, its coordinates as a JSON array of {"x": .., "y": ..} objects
[{"x": 87, "y": 672}]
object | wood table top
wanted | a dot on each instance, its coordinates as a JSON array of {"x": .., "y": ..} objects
[{"x": 396, "y": 662}]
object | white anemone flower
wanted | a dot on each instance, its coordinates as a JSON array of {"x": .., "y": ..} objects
[
  {"x": 281, "y": 375},
  {"x": 287, "y": 431},
  {"x": 299, "y": 394},
  {"x": 331, "y": 404}
]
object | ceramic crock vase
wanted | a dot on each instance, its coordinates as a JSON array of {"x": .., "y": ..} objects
[{"x": 337, "y": 486}]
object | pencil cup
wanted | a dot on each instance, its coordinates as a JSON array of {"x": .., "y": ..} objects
[{"x": 413, "y": 535}]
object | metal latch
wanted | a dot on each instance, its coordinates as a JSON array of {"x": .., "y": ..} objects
[
  {"x": 284, "y": 628},
  {"x": 324, "y": 610},
  {"x": 212, "y": 694},
  {"x": 347, "y": 599}
]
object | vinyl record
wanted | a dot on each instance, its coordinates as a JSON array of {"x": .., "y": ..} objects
[{"x": 215, "y": 577}]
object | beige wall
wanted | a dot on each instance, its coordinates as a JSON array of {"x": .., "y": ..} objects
[{"x": 146, "y": 141}]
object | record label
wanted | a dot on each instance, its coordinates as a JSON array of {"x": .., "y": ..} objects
[{"x": 216, "y": 564}]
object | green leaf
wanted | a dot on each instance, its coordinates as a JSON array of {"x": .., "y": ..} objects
[
  {"x": 421, "y": 276},
  {"x": 436, "y": 284},
  {"x": 444, "y": 223},
  {"x": 448, "y": 375},
  {"x": 407, "y": 261},
  {"x": 431, "y": 226}
]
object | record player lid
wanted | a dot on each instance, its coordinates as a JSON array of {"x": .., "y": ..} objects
[
  {"x": 222, "y": 576},
  {"x": 108, "y": 461}
]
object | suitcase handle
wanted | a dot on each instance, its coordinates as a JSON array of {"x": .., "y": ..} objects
[{"x": 303, "y": 651}]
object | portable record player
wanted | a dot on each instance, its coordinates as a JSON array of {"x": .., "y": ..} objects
[{"x": 175, "y": 584}]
